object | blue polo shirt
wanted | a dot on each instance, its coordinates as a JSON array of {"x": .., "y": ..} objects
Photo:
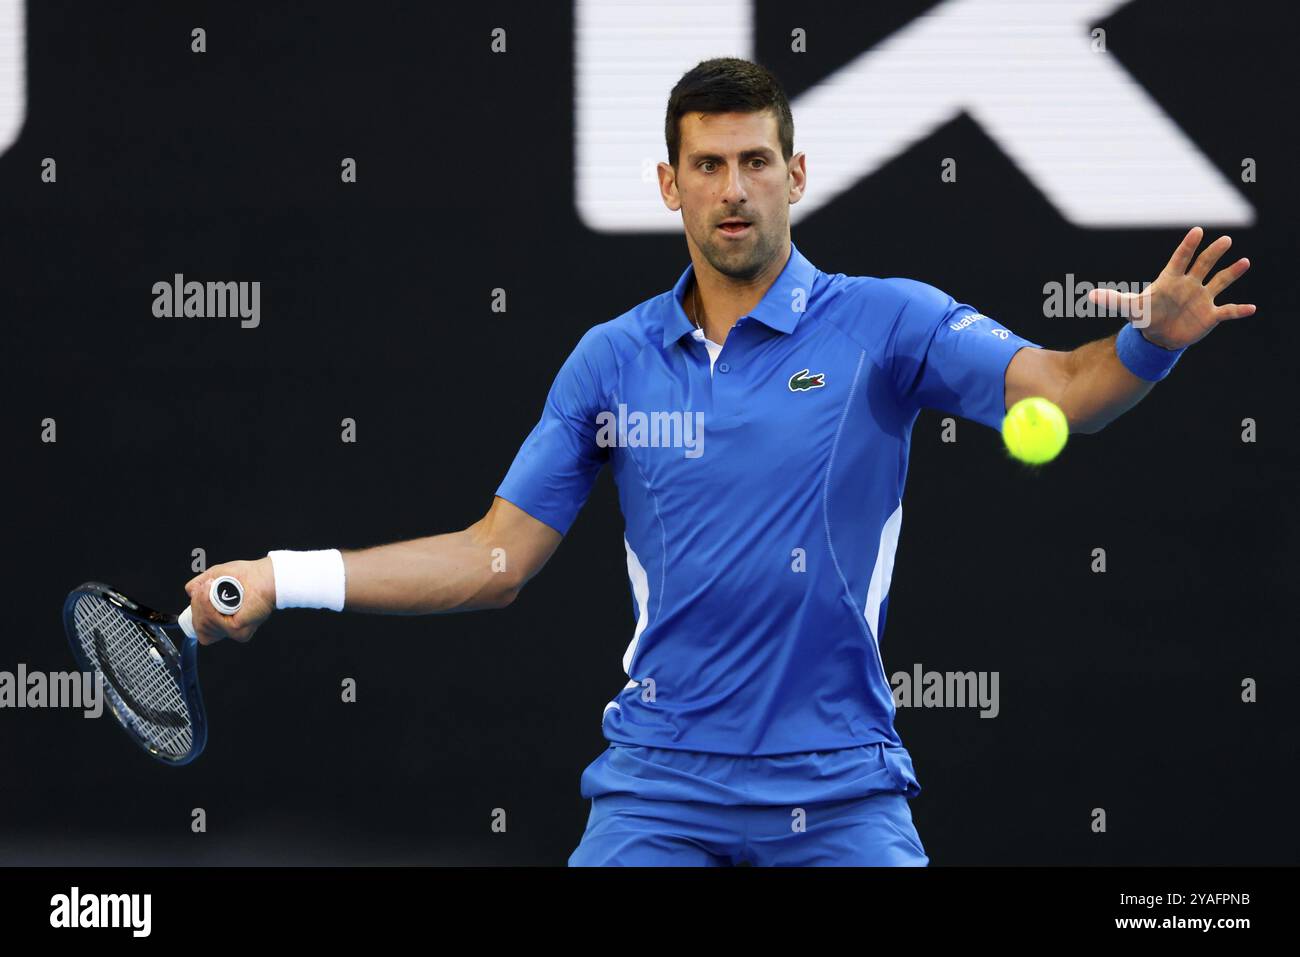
[{"x": 762, "y": 498}]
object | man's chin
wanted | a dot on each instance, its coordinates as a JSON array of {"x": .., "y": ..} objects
[{"x": 743, "y": 259}]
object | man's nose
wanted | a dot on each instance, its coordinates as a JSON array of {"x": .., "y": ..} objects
[{"x": 734, "y": 192}]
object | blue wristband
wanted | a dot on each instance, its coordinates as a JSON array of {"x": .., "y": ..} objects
[{"x": 1142, "y": 357}]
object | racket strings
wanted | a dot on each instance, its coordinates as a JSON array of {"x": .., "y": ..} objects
[{"x": 142, "y": 688}]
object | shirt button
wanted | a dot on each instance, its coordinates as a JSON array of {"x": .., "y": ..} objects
[{"x": 723, "y": 367}]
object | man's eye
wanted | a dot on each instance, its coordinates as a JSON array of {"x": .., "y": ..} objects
[{"x": 708, "y": 165}]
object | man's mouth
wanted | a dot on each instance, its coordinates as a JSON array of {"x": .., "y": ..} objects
[{"x": 735, "y": 227}]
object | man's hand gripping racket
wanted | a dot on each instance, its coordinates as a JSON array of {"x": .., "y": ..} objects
[{"x": 147, "y": 661}]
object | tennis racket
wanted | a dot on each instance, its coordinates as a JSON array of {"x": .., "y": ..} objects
[{"x": 148, "y": 664}]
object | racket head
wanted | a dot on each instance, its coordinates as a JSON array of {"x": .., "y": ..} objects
[{"x": 149, "y": 680}]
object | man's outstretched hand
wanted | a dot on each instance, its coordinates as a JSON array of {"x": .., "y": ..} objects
[{"x": 1178, "y": 308}]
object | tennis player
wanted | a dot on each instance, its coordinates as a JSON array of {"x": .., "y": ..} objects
[{"x": 757, "y": 419}]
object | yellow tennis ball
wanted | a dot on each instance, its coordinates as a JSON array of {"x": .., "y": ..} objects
[{"x": 1035, "y": 430}]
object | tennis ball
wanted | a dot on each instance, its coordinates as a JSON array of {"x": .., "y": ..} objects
[{"x": 1035, "y": 430}]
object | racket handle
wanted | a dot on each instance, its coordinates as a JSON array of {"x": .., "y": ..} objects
[{"x": 226, "y": 595}]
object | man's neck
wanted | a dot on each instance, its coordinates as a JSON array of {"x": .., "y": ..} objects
[{"x": 718, "y": 300}]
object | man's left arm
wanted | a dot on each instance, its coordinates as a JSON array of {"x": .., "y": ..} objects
[{"x": 1100, "y": 381}]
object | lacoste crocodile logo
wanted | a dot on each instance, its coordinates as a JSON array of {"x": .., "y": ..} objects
[{"x": 802, "y": 381}]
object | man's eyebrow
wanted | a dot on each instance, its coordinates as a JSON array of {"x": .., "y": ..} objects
[{"x": 764, "y": 152}]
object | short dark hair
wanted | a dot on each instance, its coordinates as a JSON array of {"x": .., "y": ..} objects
[{"x": 727, "y": 85}]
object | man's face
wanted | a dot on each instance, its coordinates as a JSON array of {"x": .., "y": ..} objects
[{"x": 734, "y": 189}]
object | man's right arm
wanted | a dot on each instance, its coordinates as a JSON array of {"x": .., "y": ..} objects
[{"x": 483, "y": 566}]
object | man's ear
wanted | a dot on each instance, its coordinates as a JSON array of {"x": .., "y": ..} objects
[
  {"x": 798, "y": 167},
  {"x": 668, "y": 187}
]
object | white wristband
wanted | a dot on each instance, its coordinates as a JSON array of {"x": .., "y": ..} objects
[{"x": 309, "y": 579}]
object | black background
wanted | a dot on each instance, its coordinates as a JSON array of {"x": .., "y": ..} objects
[{"x": 1119, "y": 691}]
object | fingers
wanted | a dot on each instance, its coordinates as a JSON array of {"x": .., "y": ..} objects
[
  {"x": 1107, "y": 298},
  {"x": 210, "y": 626},
  {"x": 205, "y": 618},
  {"x": 1182, "y": 256},
  {"x": 1233, "y": 311},
  {"x": 1129, "y": 305},
  {"x": 1227, "y": 276},
  {"x": 1206, "y": 260}
]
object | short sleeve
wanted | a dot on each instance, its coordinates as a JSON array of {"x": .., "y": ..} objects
[
  {"x": 946, "y": 355},
  {"x": 554, "y": 470}
]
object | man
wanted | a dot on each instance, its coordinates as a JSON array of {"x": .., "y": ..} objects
[{"x": 757, "y": 419}]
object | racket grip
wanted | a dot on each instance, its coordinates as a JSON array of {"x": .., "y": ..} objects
[{"x": 226, "y": 595}]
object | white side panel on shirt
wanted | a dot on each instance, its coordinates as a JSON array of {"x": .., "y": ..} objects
[
  {"x": 640, "y": 591},
  {"x": 884, "y": 570}
]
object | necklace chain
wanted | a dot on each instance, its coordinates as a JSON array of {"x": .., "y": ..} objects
[{"x": 695, "y": 307}]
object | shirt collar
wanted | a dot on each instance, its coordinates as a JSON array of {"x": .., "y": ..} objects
[{"x": 776, "y": 309}]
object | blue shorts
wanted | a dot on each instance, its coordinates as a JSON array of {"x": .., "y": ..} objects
[{"x": 655, "y": 806}]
